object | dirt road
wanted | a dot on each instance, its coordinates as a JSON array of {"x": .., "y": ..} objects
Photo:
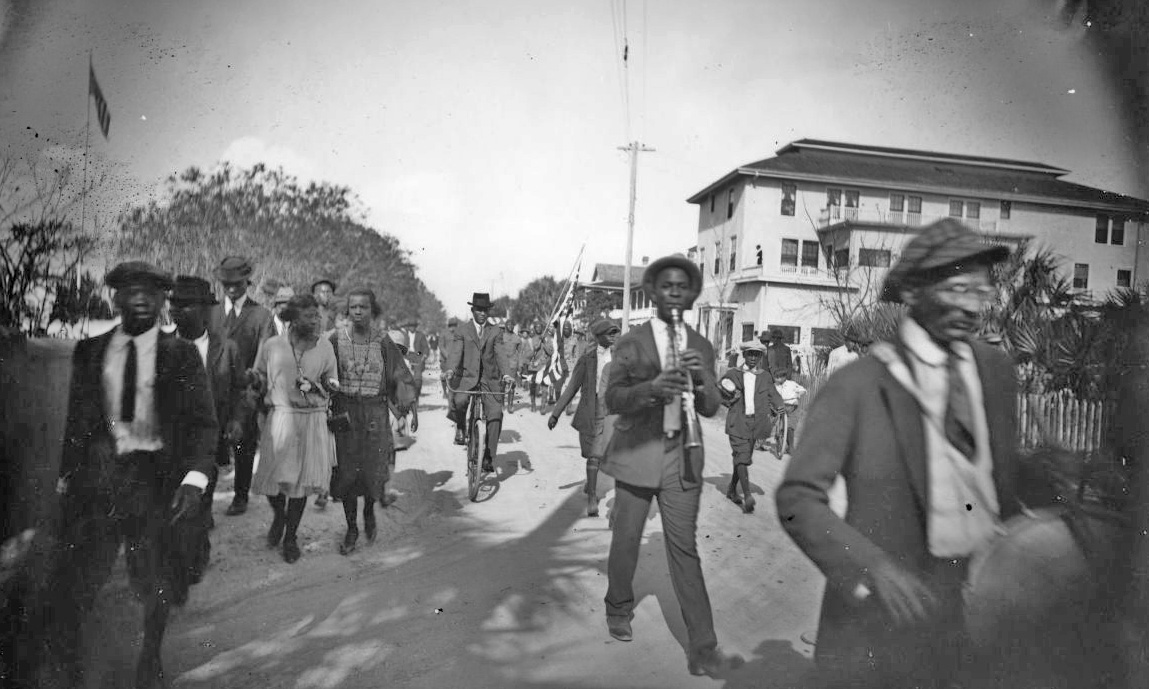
[{"x": 505, "y": 592}]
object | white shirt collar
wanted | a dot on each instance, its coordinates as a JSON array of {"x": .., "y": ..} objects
[
  {"x": 237, "y": 305},
  {"x": 145, "y": 340}
]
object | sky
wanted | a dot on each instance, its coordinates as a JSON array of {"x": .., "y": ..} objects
[{"x": 485, "y": 135}]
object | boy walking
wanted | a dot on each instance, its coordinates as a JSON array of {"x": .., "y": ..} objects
[{"x": 752, "y": 402}]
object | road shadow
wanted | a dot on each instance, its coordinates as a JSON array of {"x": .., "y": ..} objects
[
  {"x": 722, "y": 483},
  {"x": 774, "y": 665},
  {"x": 507, "y": 436}
]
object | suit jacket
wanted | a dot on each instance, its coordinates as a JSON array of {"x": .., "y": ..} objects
[
  {"x": 869, "y": 430},
  {"x": 766, "y": 400},
  {"x": 250, "y": 329},
  {"x": 779, "y": 358},
  {"x": 583, "y": 377},
  {"x": 233, "y": 400},
  {"x": 186, "y": 416},
  {"x": 471, "y": 359},
  {"x": 636, "y": 451}
]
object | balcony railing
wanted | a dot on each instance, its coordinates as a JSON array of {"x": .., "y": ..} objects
[
  {"x": 837, "y": 214},
  {"x": 800, "y": 270}
]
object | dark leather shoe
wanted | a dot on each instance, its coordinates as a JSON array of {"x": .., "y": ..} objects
[
  {"x": 488, "y": 464},
  {"x": 619, "y": 627},
  {"x": 348, "y": 545},
  {"x": 369, "y": 526},
  {"x": 732, "y": 496},
  {"x": 290, "y": 552},
  {"x": 713, "y": 663},
  {"x": 460, "y": 439},
  {"x": 238, "y": 506},
  {"x": 748, "y": 505},
  {"x": 275, "y": 533}
]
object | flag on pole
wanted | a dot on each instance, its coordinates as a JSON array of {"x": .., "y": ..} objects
[{"x": 102, "y": 113}]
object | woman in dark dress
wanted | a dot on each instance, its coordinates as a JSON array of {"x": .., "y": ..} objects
[{"x": 371, "y": 374}]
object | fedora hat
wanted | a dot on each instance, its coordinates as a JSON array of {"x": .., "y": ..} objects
[
  {"x": 190, "y": 290},
  {"x": 136, "y": 272},
  {"x": 672, "y": 261},
  {"x": 480, "y": 300},
  {"x": 942, "y": 246},
  {"x": 233, "y": 269}
]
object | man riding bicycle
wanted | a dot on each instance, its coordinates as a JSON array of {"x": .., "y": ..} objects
[{"x": 477, "y": 360}]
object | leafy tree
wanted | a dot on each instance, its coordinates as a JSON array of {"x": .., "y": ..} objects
[
  {"x": 293, "y": 232},
  {"x": 597, "y": 303},
  {"x": 536, "y": 301}
]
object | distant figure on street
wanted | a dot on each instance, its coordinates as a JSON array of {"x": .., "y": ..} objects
[
  {"x": 752, "y": 402},
  {"x": 847, "y": 352},
  {"x": 248, "y": 324},
  {"x": 791, "y": 393},
  {"x": 324, "y": 292},
  {"x": 417, "y": 353},
  {"x": 444, "y": 353},
  {"x": 779, "y": 357},
  {"x": 590, "y": 416},
  {"x": 923, "y": 433},
  {"x": 654, "y": 366},
  {"x": 282, "y": 296}
]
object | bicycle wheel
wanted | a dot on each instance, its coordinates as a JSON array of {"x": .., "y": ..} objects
[{"x": 474, "y": 454}]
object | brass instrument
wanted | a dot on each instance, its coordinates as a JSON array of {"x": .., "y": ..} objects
[{"x": 692, "y": 430}]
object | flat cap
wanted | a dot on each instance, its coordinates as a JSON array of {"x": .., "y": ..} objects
[
  {"x": 233, "y": 269},
  {"x": 603, "y": 326},
  {"x": 752, "y": 346},
  {"x": 672, "y": 261},
  {"x": 945, "y": 244},
  {"x": 323, "y": 281},
  {"x": 136, "y": 272}
]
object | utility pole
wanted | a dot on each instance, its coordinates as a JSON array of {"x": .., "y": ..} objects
[{"x": 634, "y": 148}]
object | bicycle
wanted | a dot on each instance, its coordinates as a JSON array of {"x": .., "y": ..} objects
[
  {"x": 783, "y": 435},
  {"x": 474, "y": 444}
]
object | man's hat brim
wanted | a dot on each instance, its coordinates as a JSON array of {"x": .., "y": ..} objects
[
  {"x": 943, "y": 247},
  {"x": 233, "y": 269},
  {"x": 138, "y": 272}
]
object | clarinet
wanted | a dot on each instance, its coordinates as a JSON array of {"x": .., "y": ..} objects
[{"x": 691, "y": 427}]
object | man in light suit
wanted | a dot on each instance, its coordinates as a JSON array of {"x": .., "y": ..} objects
[
  {"x": 590, "y": 414},
  {"x": 753, "y": 402},
  {"x": 923, "y": 433},
  {"x": 478, "y": 360},
  {"x": 240, "y": 319},
  {"x": 649, "y": 460}
]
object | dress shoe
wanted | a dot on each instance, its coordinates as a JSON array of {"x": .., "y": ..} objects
[
  {"x": 321, "y": 501},
  {"x": 619, "y": 627},
  {"x": 238, "y": 506},
  {"x": 748, "y": 505},
  {"x": 290, "y": 551},
  {"x": 488, "y": 464},
  {"x": 348, "y": 545},
  {"x": 275, "y": 533},
  {"x": 592, "y": 505},
  {"x": 460, "y": 439},
  {"x": 732, "y": 496},
  {"x": 369, "y": 525},
  {"x": 713, "y": 663}
]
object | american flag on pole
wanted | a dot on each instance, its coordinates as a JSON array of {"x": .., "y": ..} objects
[
  {"x": 555, "y": 369},
  {"x": 102, "y": 113}
]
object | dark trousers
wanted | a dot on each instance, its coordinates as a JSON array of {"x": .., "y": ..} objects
[
  {"x": 678, "y": 507},
  {"x": 492, "y": 410},
  {"x": 245, "y": 458}
]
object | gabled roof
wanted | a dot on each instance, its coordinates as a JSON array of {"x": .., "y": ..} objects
[
  {"x": 611, "y": 275},
  {"x": 927, "y": 171}
]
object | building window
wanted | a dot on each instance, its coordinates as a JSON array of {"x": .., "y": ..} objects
[
  {"x": 834, "y": 203},
  {"x": 790, "y": 333},
  {"x": 1006, "y": 209},
  {"x": 790, "y": 252},
  {"x": 825, "y": 337},
  {"x": 841, "y": 259},
  {"x": 789, "y": 197},
  {"x": 957, "y": 208},
  {"x": 730, "y": 203},
  {"x": 747, "y": 332},
  {"x": 758, "y": 254},
  {"x": 914, "y": 210},
  {"x": 1117, "y": 235},
  {"x": 1101, "y": 230},
  {"x": 734, "y": 252},
  {"x": 1124, "y": 278},
  {"x": 702, "y": 260},
  {"x": 852, "y": 199},
  {"x": 973, "y": 210},
  {"x": 809, "y": 254},
  {"x": 874, "y": 258},
  {"x": 897, "y": 208},
  {"x": 717, "y": 257},
  {"x": 712, "y": 203},
  {"x": 1080, "y": 276}
]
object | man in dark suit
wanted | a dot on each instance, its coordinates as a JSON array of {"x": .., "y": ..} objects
[
  {"x": 417, "y": 353},
  {"x": 477, "y": 360},
  {"x": 240, "y": 319},
  {"x": 752, "y": 402},
  {"x": 191, "y": 303},
  {"x": 923, "y": 433},
  {"x": 590, "y": 414},
  {"x": 655, "y": 368},
  {"x": 139, "y": 444},
  {"x": 779, "y": 357}
]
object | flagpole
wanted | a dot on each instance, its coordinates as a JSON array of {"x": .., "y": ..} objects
[{"x": 87, "y": 140}]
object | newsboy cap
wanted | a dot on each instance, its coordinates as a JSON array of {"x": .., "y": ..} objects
[
  {"x": 603, "y": 326},
  {"x": 323, "y": 281},
  {"x": 945, "y": 244},
  {"x": 233, "y": 269},
  {"x": 190, "y": 290},
  {"x": 752, "y": 346},
  {"x": 672, "y": 261},
  {"x": 135, "y": 272}
]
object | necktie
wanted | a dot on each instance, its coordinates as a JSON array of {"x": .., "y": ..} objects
[
  {"x": 128, "y": 393},
  {"x": 672, "y": 412},
  {"x": 230, "y": 320},
  {"x": 959, "y": 415}
]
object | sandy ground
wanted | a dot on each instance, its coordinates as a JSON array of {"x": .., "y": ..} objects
[{"x": 503, "y": 592}]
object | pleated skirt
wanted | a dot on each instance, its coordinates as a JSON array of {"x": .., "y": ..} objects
[{"x": 296, "y": 453}]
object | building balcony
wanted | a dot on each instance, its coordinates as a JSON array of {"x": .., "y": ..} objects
[
  {"x": 787, "y": 274},
  {"x": 836, "y": 216}
]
